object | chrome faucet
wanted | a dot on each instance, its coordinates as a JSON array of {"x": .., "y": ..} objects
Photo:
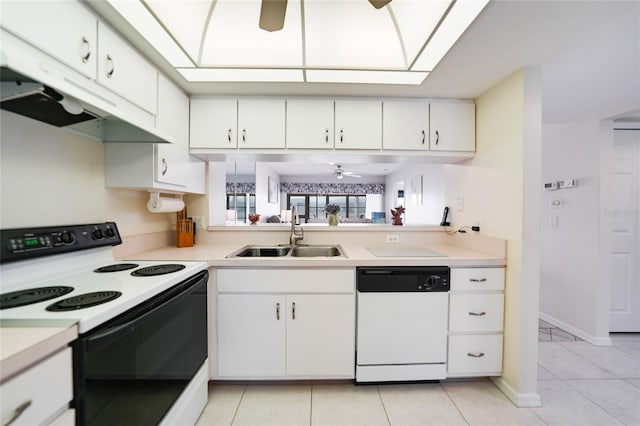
[{"x": 295, "y": 220}]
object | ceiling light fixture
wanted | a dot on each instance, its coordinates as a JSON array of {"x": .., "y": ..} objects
[{"x": 341, "y": 41}]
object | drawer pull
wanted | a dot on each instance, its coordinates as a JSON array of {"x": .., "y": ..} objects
[
  {"x": 478, "y": 280},
  {"x": 87, "y": 53},
  {"x": 478, "y": 314},
  {"x": 278, "y": 311},
  {"x": 293, "y": 310},
  {"x": 476, "y": 355},
  {"x": 17, "y": 412}
]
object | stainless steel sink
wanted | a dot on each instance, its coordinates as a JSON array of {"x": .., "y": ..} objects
[
  {"x": 288, "y": 251},
  {"x": 316, "y": 251},
  {"x": 261, "y": 251}
]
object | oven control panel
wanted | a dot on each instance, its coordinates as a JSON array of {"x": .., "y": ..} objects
[{"x": 27, "y": 243}]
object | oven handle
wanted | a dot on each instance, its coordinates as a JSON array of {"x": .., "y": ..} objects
[{"x": 143, "y": 311}]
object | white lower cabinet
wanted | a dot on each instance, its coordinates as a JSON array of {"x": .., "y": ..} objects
[
  {"x": 285, "y": 323},
  {"x": 476, "y": 318},
  {"x": 41, "y": 394}
]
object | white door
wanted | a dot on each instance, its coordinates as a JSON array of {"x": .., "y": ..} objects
[
  {"x": 320, "y": 335},
  {"x": 625, "y": 256},
  {"x": 213, "y": 123},
  {"x": 310, "y": 123},
  {"x": 251, "y": 335},
  {"x": 261, "y": 123},
  {"x": 358, "y": 124},
  {"x": 405, "y": 125},
  {"x": 452, "y": 126}
]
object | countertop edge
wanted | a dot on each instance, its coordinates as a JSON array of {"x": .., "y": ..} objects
[{"x": 22, "y": 359}]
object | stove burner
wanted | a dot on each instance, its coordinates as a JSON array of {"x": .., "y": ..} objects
[
  {"x": 32, "y": 295},
  {"x": 116, "y": 267},
  {"x": 82, "y": 301},
  {"x": 150, "y": 271}
]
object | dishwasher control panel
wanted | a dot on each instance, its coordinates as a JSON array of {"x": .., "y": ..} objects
[{"x": 395, "y": 279}]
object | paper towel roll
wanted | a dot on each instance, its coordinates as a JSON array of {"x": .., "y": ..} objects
[{"x": 165, "y": 205}]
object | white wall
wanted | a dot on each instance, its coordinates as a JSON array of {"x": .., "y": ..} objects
[
  {"x": 500, "y": 187},
  {"x": 263, "y": 207},
  {"x": 570, "y": 258},
  {"x": 50, "y": 176},
  {"x": 433, "y": 194}
]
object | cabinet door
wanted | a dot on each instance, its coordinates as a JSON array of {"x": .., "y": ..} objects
[
  {"x": 251, "y": 335},
  {"x": 173, "y": 119},
  {"x": 453, "y": 127},
  {"x": 125, "y": 72},
  {"x": 73, "y": 42},
  {"x": 358, "y": 124},
  {"x": 405, "y": 125},
  {"x": 321, "y": 335},
  {"x": 310, "y": 124},
  {"x": 213, "y": 123},
  {"x": 261, "y": 123}
]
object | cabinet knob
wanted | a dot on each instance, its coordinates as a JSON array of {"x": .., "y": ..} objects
[
  {"x": 477, "y": 314},
  {"x": 111, "y": 66},
  {"x": 437, "y": 137},
  {"x": 87, "y": 49},
  {"x": 478, "y": 280},
  {"x": 293, "y": 310},
  {"x": 423, "y": 137},
  {"x": 229, "y": 135},
  {"x": 278, "y": 311},
  {"x": 341, "y": 135},
  {"x": 244, "y": 135},
  {"x": 326, "y": 135},
  {"x": 475, "y": 355}
]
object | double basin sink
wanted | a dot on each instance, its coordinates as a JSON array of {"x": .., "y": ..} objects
[{"x": 289, "y": 251}]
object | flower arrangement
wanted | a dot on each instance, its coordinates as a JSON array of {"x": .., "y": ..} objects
[{"x": 332, "y": 209}]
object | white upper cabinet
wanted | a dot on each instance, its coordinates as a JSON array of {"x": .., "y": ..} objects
[
  {"x": 358, "y": 124},
  {"x": 72, "y": 41},
  {"x": 213, "y": 123},
  {"x": 405, "y": 125},
  {"x": 124, "y": 71},
  {"x": 261, "y": 123},
  {"x": 453, "y": 127},
  {"x": 310, "y": 123}
]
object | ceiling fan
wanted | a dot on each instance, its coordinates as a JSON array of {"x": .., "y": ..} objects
[
  {"x": 341, "y": 173},
  {"x": 272, "y": 13}
]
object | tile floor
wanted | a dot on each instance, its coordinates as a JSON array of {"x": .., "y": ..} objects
[{"x": 580, "y": 384}]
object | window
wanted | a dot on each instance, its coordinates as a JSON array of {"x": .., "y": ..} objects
[
  {"x": 238, "y": 202},
  {"x": 311, "y": 206}
]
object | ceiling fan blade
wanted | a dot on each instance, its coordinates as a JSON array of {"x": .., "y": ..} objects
[
  {"x": 378, "y": 4},
  {"x": 272, "y": 14}
]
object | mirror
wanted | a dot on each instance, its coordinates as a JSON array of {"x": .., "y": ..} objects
[{"x": 364, "y": 192}]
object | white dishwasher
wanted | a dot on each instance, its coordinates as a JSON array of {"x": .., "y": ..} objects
[{"x": 402, "y": 323}]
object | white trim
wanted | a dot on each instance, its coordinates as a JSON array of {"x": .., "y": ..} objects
[
  {"x": 519, "y": 399},
  {"x": 594, "y": 340}
]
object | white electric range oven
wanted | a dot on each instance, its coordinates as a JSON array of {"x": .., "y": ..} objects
[{"x": 142, "y": 349}]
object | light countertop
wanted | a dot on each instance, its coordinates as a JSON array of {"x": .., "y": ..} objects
[
  {"x": 26, "y": 342},
  {"x": 357, "y": 255}
]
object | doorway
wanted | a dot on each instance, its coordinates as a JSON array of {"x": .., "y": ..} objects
[{"x": 625, "y": 232}]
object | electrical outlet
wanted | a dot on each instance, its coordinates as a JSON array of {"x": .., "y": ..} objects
[
  {"x": 393, "y": 238},
  {"x": 199, "y": 220},
  {"x": 460, "y": 204}
]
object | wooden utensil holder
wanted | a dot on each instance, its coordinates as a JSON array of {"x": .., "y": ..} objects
[{"x": 184, "y": 233}]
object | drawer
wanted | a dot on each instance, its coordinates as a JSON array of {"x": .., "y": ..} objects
[
  {"x": 286, "y": 280},
  {"x": 47, "y": 387},
  {"x": 476, "y": 312},
  {"x": 464, "y": 279},
  {"x": 475, "y": 355}
]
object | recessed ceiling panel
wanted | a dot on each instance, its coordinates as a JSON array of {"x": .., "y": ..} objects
[
  {"x": 416, "y": 21},
  {"x": 185, "y": 20},
  {"x": 350, "y": 34},
  {"x": 234, "y": 38}
]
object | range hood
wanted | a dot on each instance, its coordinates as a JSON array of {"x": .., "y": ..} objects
[{"x": 37, "y": 86}]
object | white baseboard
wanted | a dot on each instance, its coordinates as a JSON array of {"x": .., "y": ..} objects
[
  {"x": 519, "y": 399},
  {"x": 594, "y": 340}
]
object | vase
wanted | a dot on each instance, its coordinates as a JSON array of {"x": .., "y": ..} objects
[{"x": 333, "y": 219}]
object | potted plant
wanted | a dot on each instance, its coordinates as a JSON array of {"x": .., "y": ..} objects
[{"x": 332, "y": 211}]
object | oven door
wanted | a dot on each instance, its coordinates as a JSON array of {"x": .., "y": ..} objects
[{"x": 132, "y": 369}]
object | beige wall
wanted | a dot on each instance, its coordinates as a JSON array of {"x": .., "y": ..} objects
[
  {"x": 50, "y": 176},
  {"x": 497, "y": 186}
]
